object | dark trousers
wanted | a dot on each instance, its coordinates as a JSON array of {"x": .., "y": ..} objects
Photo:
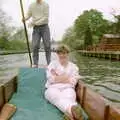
[{"x": 39, "y": 32}]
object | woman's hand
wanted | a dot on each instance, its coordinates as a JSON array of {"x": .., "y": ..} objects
[
  {"x": 62, "y": 78},
  {"x": 53, "y": 72}
]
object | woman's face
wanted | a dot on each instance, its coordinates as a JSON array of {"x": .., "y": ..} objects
[
  {"x": 63, "y": 57},
  {"x": 38, "y": 1}
]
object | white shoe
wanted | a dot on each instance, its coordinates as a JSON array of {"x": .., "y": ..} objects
[
  {"x": 34, "y": 66},
  {"x": 43, "y": 66}
]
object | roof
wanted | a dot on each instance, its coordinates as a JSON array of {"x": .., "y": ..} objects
[{"x": 111, "y": 36}]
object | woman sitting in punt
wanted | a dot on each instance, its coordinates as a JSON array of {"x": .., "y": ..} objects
[{"x": 62, "y": 77}]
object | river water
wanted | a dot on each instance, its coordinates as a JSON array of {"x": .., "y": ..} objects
[{"x": 99, "y": 74}]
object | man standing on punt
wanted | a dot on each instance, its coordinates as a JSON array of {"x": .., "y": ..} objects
[{"x": 39, "y": 12}]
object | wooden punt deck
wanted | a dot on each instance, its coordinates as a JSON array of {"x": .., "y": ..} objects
[{"x": 93, "y": 103}]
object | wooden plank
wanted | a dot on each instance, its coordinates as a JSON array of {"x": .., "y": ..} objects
[
  {"x": 10, "y": 87},
  {"x": 15, "y": 83},
  {"x": 94, "y": 105},
  {"x": 7, "y": 111},
  {"x": 84, "y": 96},
  {"x": 114, "y": 113},
  {"x": 2, "y": 97},
  {"x": 107, "y": 112},
  {"x": 79, "y": 91}
]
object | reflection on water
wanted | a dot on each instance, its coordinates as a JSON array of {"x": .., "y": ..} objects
[
  {"x": 10, "y": 64},
  {"x": 101, "y": 75}
]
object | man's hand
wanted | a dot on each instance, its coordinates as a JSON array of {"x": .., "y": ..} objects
[{"x": 23, "y": 20}]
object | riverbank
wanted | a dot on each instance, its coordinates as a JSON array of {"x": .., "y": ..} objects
[
  {"x": 12, "y": 52},
  {"x": 112, "y": 55}
]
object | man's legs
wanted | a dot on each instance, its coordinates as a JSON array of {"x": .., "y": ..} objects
[
  {"x": 45, "y": 33},
  {"x": 36, "y": 37}
]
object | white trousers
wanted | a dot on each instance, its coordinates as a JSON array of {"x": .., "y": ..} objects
[{"x": 62, "y": 98}]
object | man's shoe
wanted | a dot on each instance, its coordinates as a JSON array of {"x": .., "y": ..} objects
[
  {"x": 34, "y": 66},
  {"x": 77, "y": 112},
  {"x": 43, "y": 66}
]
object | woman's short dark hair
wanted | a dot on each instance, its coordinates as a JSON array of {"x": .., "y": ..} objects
[{"x": 62, "y": 49}]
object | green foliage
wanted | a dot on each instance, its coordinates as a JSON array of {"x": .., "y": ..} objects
[
  {"x": 17, "y": 40},
  {"x": 88, "y": 29},
  {"x": 117, "y": 23},
  {"x": 18, "y": 35},
  {"x": 88, "y": 37},
  {"x": 71, "y": 40},
  {"x": 10, "y": 37},
  {"x": 17, "y": 45},
  {"x": 5, "y": 28},
  {"x": 90, "y": 23},
  {"x": 115, "y": 26},
  {"x": 3, "y": 43}
]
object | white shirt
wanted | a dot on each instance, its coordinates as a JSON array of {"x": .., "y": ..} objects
[
  {"x": 71, "y": 70},
  {"x": 39, "y": 13}
]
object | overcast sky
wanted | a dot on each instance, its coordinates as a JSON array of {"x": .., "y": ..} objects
[{"x": 62, "y": 12}]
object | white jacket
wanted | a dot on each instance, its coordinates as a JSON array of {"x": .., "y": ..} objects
[{"x": 71, "y": 70}]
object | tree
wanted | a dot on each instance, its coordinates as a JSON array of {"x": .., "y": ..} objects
[
  {"x": 88, "y": 38},
  {"x": 68, "y": 36},
  {"x": 71, "y": 40},
  {"x": 90, "y": 23},
  {"x": 19, "y": 34},
  {"x": 5, "y": 29},
  {"x": 11, "y": 38},
  {"x": 115, "y": 25},
  {"x": 17, "y": 40}
]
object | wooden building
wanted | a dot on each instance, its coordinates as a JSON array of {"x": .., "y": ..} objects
[{"x": 109, "y": 42}]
